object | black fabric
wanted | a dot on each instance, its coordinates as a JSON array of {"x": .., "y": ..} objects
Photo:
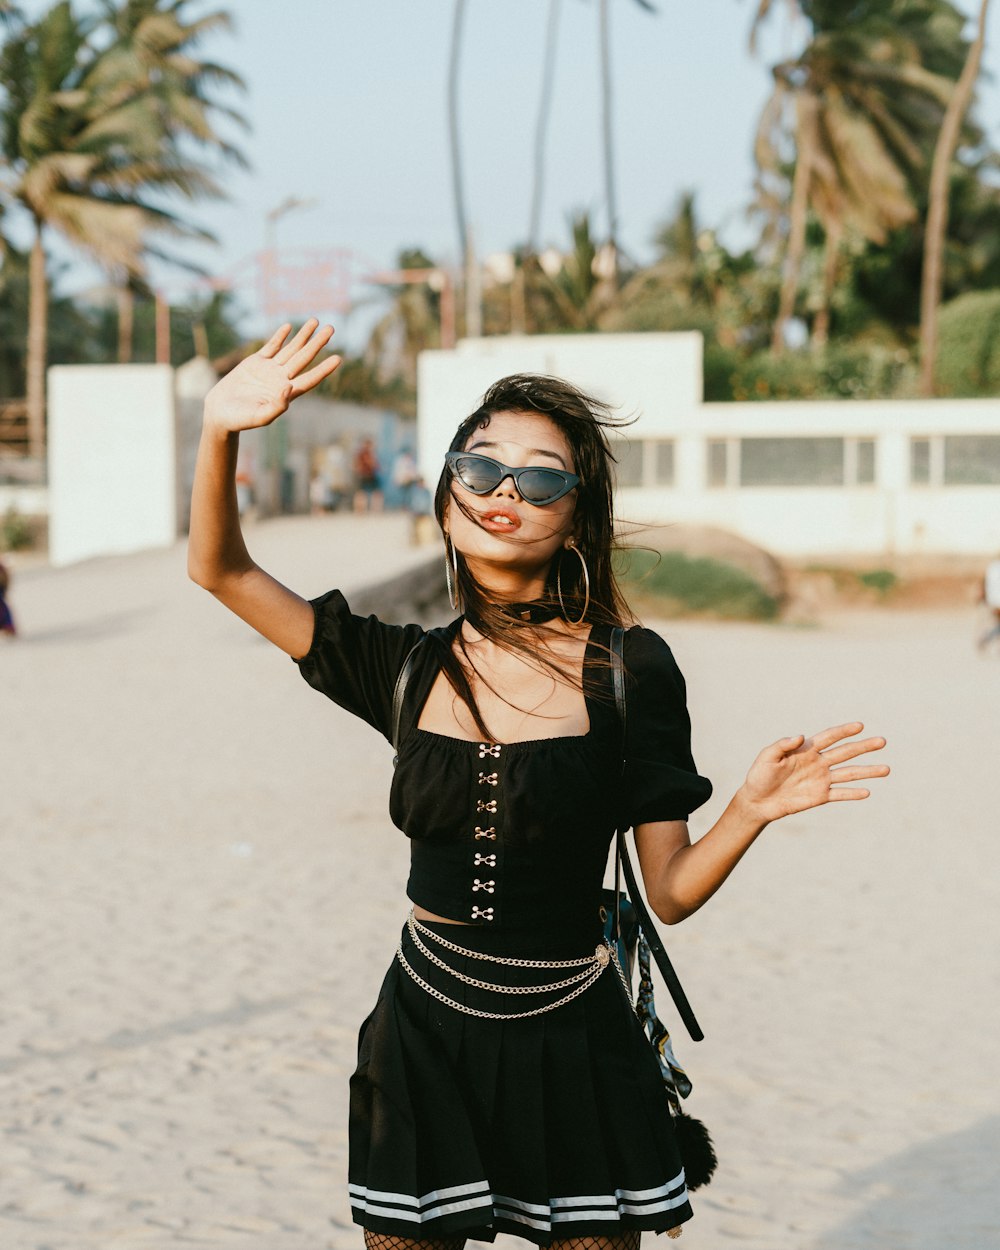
[
  {"x": 554, "y": 1128},
  {"x": 515, "y": 834},
  {"x": 551, "y": 1127},
  {"x": 537, "y": 612},
  {"x": 355, "y": 660}
]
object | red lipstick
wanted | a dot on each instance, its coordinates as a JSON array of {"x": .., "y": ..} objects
[{"x": 500, "y": 520}]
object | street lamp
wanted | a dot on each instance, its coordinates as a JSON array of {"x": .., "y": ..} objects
[
  {"x": 275, "y": 437},
  {"x": 270, "y": 267}
]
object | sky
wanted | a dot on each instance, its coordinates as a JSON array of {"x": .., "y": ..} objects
[{"x": 346, "y": 108}]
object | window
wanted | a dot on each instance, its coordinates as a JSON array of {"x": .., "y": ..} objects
[
  {"x": 792, "y": 462},
  {"x": 972, "y": 460},
  {"x": 865, "y": 468},
  {"x": 920, "y": 461},
  {"x": 664, "y": 463},
  {"x": 628, "y": 470},
  {"x": 718, "y": 461}
]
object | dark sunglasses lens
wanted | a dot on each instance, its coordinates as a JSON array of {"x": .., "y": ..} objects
[
  {"x": 540, "y": 485},
  {"x": 477, "y": 474}
]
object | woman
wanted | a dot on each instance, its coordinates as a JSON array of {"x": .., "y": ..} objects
[
  {"x": 7, "y": 626},
  {"x": 503, "y": 1083}
]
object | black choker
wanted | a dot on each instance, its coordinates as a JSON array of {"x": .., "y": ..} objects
[{"x": 535, "y": 613}]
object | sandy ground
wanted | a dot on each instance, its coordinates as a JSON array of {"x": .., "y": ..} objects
[{"x": 201, "y": 890}]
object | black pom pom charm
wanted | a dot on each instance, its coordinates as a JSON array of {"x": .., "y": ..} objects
[{"x": 695, "y": 1148}]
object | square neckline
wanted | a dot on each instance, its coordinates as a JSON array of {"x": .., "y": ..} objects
[{"x": 415, "y": 726}]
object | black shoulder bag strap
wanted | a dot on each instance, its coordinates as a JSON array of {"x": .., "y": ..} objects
[
  {"x": 399, "y": 694},
  {"x": 622, "y": 861},
  {"x": 403, "y": 681}
]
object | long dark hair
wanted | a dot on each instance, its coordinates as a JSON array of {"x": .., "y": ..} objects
[{"x": 583, "y": 420}]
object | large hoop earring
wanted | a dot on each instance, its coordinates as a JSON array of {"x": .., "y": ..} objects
[
  {"x": 451, "y": 572},
  {"x": 586, "y": 586}
]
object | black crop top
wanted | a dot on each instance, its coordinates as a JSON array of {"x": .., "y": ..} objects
[{"x": 514, "y": 834}]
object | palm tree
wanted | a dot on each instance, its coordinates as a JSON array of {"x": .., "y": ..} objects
[
  {"x": 932, "y": 280},
  {"x": 411, "y": 325},
  {"x": 151, "y": 64},
  {"x": 857, "y": 108},
  {"x": 81, "y": 165},
  {"x": 542, "y": 124},
  {"x": 526, "y": 258},
  {"x": 607, "y": 129},
  {"x": 570, "y": 294},
  {"x": 465, "y": 246}
]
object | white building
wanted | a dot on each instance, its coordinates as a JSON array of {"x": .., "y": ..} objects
[{"x": 833, "y": 479}]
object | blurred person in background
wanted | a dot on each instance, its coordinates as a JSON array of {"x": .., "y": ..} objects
[
  {"x": 244, "y": 486},
  {"x": 7, "y": 626},
  {"x": 337, "y": 475},
  {"x": 320, "y": 494},
  {"x": 367, "y": 484},
  {"x": 421, "y": 509},
  {"x": 990, "y": 596},
  {"x": 404, "y": 474}
]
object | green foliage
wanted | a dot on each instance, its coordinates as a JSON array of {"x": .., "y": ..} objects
[
  {"x": 845, "y": 371},
  {"x": 201, "y": 324},
  {"x": 71, "y": 329},
  {"x": 881, "y": 580},
  {"x": 358, "y": 382},
  {"x": 674, "y": 584},
  {"x": 719, "y": 366},
  {"x": 15, "y": 531},
  {"x": 880, "y": 288},
  {"x": 849, "y": 584},
  {"x": 968, "y": 362},
  {"x": 82, "y": 334}
]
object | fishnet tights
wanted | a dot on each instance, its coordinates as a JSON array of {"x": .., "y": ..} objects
[{"x": 387, "y": 1241}]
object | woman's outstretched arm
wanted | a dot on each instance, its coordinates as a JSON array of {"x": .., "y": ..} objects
[
  {"x": 254, "y": 394},
  {"x": 792, "y": 775}
]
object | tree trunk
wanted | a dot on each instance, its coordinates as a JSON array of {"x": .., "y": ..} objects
[
  {"x": 936, "y": 229},
  {"x": 607, "y": 129},
  {"x": 162, "y": 329},
  {"x": 518, "y": 310},
  {"x": 797, "y": 214},
  {"x": 831, "y": 260},
  {"x": 38, "y": 315},
  {"x": 126, "y": 323},
  {"x": 473, "y": 292},
  {"x": 457, "y": 179},
  {"x": 542, "y": 124}
]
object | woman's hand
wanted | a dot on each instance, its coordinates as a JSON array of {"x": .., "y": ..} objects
[
  {"x": 798, "y": 773},
  {"x": 261, "y": 387}
]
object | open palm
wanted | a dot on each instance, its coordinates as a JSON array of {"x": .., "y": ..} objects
[
  {"x": 795, "y": 774},
  {"x": 262, "y": 386}
]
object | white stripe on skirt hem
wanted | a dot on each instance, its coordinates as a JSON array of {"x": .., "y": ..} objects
[{"x": 584, "y": 1207}]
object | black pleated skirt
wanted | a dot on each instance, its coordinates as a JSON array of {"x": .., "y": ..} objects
[{"x": 548, "y": 1127}]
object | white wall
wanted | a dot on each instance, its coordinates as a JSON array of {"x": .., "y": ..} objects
[
  {"x": 889, "y": 517},
  {"x": 112, "y": 466},
  {"x": 655, "y": 375},
  {"x": 658, "y": 376}
]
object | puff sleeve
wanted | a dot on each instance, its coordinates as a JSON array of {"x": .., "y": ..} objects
[
  {"x": 356, "y": 660},
  {"x": 660, "y": 780}
]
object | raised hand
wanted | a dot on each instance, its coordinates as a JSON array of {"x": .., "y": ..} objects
[
  {"x": 261, "y": 387},
  {"x": 798, "y": 773}
]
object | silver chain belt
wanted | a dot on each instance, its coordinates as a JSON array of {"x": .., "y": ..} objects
[{"x": 589, "y": 968}]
